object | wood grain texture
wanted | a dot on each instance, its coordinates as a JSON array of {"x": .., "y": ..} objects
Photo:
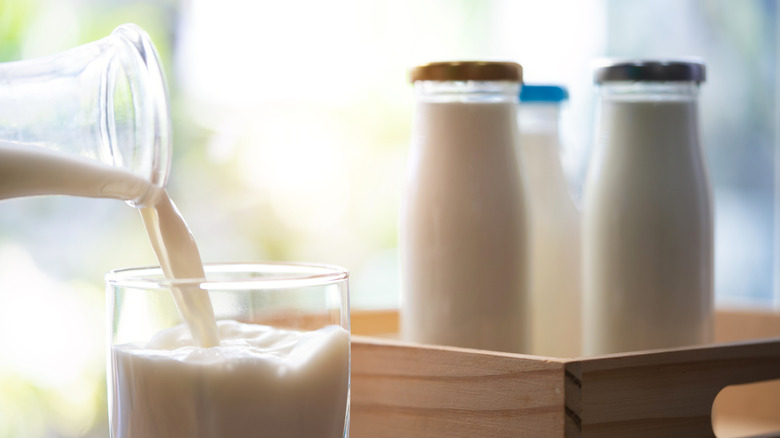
[
  {"x": 663, "y": 393},
  {"x": 404, "y": 390},
  {"x": 748, "y": 408},
  {"x": 415, "y": 391}
]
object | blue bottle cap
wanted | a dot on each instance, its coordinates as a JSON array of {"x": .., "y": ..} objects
[{"x": 543, "y": 93}]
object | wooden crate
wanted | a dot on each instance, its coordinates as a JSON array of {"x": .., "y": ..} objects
[{"x": 408, "y": 390}]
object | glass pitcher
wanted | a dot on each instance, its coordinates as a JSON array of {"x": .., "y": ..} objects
[{"x": 92, "y": 121}]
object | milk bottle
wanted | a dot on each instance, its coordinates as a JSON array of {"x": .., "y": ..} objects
[
  {"x": 648, "y": 215},
  {"x": 463, "y": 237},
  {"x": 91, "y": 121},
  {"x": 555, "y": 221}
]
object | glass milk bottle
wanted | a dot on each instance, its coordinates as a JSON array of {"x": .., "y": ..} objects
[
  {"x": 463, "y": 225},
  {"x": 555, "y": 221},
  {"x": 91, "y": 121},
  {"x": 648, "y": 214}
]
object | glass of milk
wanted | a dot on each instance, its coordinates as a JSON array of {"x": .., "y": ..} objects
[
  {"x": 68, "y": 120},
  {"x": 281, "y": 368}
]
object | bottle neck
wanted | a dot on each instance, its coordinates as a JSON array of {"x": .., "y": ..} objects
[
  {"x": 539, "y": 117},
  {"x": 649, "y": 91},
  {"x": 467, "y": 91},
  {"x": 648, "y": 121}
]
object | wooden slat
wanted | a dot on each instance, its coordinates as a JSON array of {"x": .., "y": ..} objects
[
  {"x": 742, "y": 409},
  {"x": 666, "y": 393},
  {"x": 404, "y": 390}
]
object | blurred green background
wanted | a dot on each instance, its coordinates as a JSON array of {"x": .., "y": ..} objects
[{"x": 291, "y": 123}]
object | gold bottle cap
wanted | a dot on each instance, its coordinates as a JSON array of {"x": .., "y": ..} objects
[{"x": 468, "y": 71}]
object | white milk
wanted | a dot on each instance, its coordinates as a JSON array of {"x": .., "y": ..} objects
[
  {"x": 179, "y": 258},
  {"x": 647, "y": 242},
  {"x": 260, "y": 382},
  {"x": 555, "y": 241},
  {"x": 29, "y": 170},
  {"x": 463, "y": 229}
]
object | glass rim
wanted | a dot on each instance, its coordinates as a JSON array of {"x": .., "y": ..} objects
[{"x": 303, "y": 274}]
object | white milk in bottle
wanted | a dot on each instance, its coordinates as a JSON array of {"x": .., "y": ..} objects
[
  {"x": 31, "y": 170},
  {"x": 463, "y": 230},
  {"x": 648, "y": 215},
  {"x": 555, "y": 221}
]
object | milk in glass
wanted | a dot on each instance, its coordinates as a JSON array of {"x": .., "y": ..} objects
[{"x": 260, "y": 381}]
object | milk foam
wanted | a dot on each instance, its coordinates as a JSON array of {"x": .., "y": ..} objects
[{"x": 261, "y": 381}]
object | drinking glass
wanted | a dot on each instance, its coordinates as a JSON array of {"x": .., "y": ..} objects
[{"x": 282, "y": 368}]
